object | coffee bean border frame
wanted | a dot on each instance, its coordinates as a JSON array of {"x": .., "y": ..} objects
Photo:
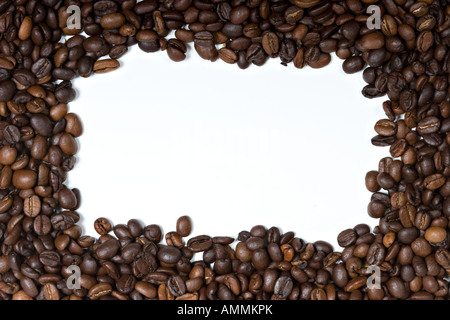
[{"x": 404, "y": 55}]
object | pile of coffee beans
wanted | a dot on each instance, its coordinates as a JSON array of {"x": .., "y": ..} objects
[{"x": 403, "y": 55}]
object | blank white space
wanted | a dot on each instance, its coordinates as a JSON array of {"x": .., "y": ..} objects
[{"x": 232, "y": 148}]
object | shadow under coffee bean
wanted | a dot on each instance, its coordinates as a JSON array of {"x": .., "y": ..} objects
[{"x": 406, "y": 59}]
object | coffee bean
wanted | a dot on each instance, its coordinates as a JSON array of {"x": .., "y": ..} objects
[
  {"x": 346, "y": 238},
  {"x": 50, "y": 258},
  {"x": 11, "y": 134},
  {"x": 227, "y": 55},
  {"x": 24, "y": 179},
  {"x": 434, "y": 181},
  {"x": 169, "y": 255},
  {"x": 270, "y": 44},
  {"x": 283, "y": 287},
  {"x": 41, "y": 124},
  {"x": 371, "y": 41},
  {"x": 397, "y": 288},
  {"x": 421, "y": 247},
  {"x": 428, "y": 125},
  {"x": 386, "y": 128},
  {"x": 199, "y": 243},
  {"x": 32, "y": 206},
  {"x": 176, "y": 286},
  {"x": 306, "y": 3},
  {"x": 112, "y": 21},
  {"x": 68, "y": 144},
  {"x": 146, "y": 289},
  {"x": 435, "y": 234},
  {"x": 353, "y": 65},
  {"x": 239, "y": 14},
  {"x": 184, "y": 226},
  {"x": 99, "y": 290},
  {"x": 7, "y": 90},
  {"x": 106, "y": 65}
]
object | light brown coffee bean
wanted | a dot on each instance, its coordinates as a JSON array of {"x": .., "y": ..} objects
[
  {"x": 32, "y": 206},
  {"x": 106, "y": 65}
]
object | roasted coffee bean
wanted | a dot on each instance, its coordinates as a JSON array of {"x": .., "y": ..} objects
[
  {"x": 346, "y": 238},
  {"x": 107, "y": 249},
  {"x": 227, "y": 55},
  {"x": 100, "y": 290},
  {"x": 184, "y": 226},
  {"x": 7, "y": 90},
  {"x": 199, "y": 243},
  {"x": 353, "y": 64},
  {"x": 434, "y": 181},
  {"x": 106, "y": 65},
  {"x": 386, "y": 128},
  {"x": 169, "y": 255},
  {"x": 176, "y": 286},
  {"x": 32, "y": 206},
  {"x": 270, "y": 44}
]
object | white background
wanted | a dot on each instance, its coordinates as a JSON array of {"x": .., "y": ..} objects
[{"x": 231, "y": 148}]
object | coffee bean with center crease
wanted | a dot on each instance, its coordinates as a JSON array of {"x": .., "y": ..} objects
[
  {"x": 106, "y": 65},
  {"x": 283, "y": 287},
  {"x": 434, "y": 181},
  {"x": 11, "y": 134},
  {"x": 204, "y": 39},
  {"x": 428, "y": 125},
  {"x": 200, "y": 243},
  {"x": 50, "y": 258},
  {"x": 176, "y": 50},
  {"x": 386, "y": 127},
  {"x": 270, "y": 44},
  {"x": 227, "y": 55},
  {"x": 99, "y": 290},
  {"x": 32, "y": 206},
  {"x": 176, "y": 285}
]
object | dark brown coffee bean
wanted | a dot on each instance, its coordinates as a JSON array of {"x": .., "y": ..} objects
[
  {"x": 239, "y": 14},
  {"x": 184, "y": 226},
  {"x": 7, "y": 90},
  {"x": 107, "y": 249},
  {"x": 353, "y": 65},
  {"x": 176, "y": 286},
  {"x": 428, "y": 125},
  {"x": 283, "y": 286},
  {"x": 200, "y": 243},
  {"x": 346, "y": 238},
  {"x": 50, "y": 258},
  {"x": 169, "y": 255}
]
